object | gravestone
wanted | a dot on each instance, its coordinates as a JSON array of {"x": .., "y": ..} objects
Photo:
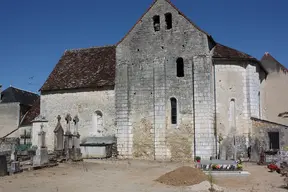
[
  {"x": 15, "y": 167},
  {"x": 3, "y": 165},
  {"x": 76, "y": 151},
  {"x": 41, "y": 156},
  {"x": 13, "y": 154},
  {"x": 68, "y": 141}
]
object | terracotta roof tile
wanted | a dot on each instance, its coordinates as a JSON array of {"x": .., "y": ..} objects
[
  {"x": 83, "y": 68},
  {"x": 222, "y": 51}
]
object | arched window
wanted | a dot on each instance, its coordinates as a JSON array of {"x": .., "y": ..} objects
[
  {"x": 168, "y": 20},
  {"x": 97, "y": 123},
  {"x": 180, "y": 67},
  {"x": 259, "y": 104},
  {"x": 173, "y": 110},
  {"x": 156, "y": 23},
  {"x": 232, "y": 112}
]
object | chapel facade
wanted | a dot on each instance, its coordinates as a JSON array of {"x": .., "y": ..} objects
[{"x": 167, "y": 90}]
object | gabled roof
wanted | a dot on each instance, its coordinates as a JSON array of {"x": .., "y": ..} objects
[
  {"x": 83, "y": 68},
  {"x": 31, "y": 114},
  {"x": 224, "y": 52},
  {"x": 12, "y": 94},
  {"x": 180, "y": 13},
  {"x": 268, "y": 57}
]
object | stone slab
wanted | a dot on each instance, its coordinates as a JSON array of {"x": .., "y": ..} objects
[
  {"x": 15, "y": 167},
  {"x": 227, "y": 173},
  {"x": 41, "y": 157},
  {"x": 217, "y": 161}
]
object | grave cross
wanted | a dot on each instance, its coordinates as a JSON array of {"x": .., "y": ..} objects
[
  {"x": 76, "y": 120},
  {"x": 25, "y": 137},
  {"x": 68, "y": 119},
  {"x": 41, "y": 127}
]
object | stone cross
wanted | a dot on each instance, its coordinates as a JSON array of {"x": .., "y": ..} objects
[
  {"x": 68, "y": 119},
  {"x": 59, "y": 118},
  {"x": 76, "y": 120},
  {"x": 41, "y": 127},
  {"x": 41, "y": 137}
]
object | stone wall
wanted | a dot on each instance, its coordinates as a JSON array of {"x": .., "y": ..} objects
[
  {"x": 204, "y": 107},
  {"x": 7, "y": 144},
  {"x": 9, "y": 117},
  {"x": 83, "y": 103},
  {"x": 238, "y": 83},
  {"x": 146, "y": 80},
  {"x": 274, "y": 96},
  {"x": 260, "y": 139}
]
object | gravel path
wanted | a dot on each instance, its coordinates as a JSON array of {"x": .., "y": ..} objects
[{"x": 128, "y": 176}]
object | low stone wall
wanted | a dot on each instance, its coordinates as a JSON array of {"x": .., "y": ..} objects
[
  {"x": 260, "y": 139},
  {"x": 7, "y": 144}
]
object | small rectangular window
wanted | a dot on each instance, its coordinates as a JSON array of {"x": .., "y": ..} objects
[
  {"x": 180, "y": 67},
  {"x": 156, "y": 22},
  {"x": 168, "y": 20},
  {"x": 173, "y": 111}
]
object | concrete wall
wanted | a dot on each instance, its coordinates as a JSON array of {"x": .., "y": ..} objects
[
  {"x": 146, "y": 80},
  {"x": 238, "y": 81},
  {"x": 83, "y": 103},
  {"x": 9, "y": 117},
  {"x": 274, "y": 96}
]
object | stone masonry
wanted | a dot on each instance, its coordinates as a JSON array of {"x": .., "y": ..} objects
[
  {"x": 243, "y": 88},
  {"x": 82, "y": 103},
  {"x": 204, "y": 107},
  {"x": 172, "y": 90},
  {"x": 146, "y": 81}
]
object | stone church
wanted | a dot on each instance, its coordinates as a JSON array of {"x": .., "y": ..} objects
[{"x": 167, "y": 90}]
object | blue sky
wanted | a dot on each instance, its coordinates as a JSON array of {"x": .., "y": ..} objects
[{"x": 34, "y": 34}]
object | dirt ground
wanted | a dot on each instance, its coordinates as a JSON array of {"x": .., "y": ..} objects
[{"x": 128, "y": 176}]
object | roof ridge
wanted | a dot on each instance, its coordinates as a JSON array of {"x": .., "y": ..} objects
[
  {"x": 82, "y": 49},
  {"x": 22, "y": 90}
]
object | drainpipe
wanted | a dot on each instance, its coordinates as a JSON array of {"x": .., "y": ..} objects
[
  {"x": 215, "y": 112},
  {"x": 154, "y": 113},
  {"x": 193, "y": 104}
]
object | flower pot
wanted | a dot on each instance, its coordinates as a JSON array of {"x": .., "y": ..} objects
[{"x": 198, "y": 161}]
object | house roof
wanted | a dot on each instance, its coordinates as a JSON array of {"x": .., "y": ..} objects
[
  {"x": 222, "y": 51},
  {"x": 268, "y": 57},
  {"x": 31, "y": 114},
  {"x": 12, "y": 94},
  {"x": 83, "y": 68}
]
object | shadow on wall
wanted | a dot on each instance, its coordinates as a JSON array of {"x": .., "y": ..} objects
[
  {"x": 257, "y": 145},
  {"x": 232, "y": 143}
]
